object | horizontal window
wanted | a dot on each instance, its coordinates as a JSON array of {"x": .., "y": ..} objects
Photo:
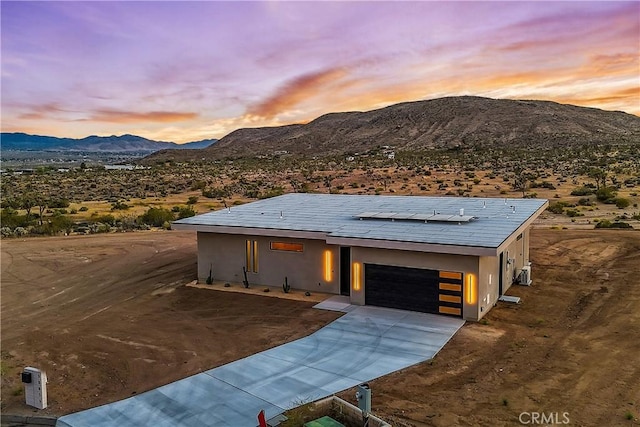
[{"x": 284, "y": 246}]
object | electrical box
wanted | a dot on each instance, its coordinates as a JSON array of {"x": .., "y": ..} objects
[
  {"x": 363, "y": 394},
  {"x": 35, "y": 387}
]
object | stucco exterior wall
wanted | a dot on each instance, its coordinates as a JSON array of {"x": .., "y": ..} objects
[
  {"x": 225, "y": 255},
  {"x": 304, "y": 270},
  {"x": 518, "y": 252},
  {"x": 488, "y": 281}
]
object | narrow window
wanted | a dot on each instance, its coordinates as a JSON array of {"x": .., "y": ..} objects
[
  {"x": 285, "y": 246},
  {"x": 255, "y": 256},
  {"x": 247, "y": 255}
]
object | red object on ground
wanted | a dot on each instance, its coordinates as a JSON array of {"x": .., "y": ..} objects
[{"x": 261, "y": 421}]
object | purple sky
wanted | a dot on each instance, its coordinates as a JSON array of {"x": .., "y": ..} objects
[{"x": 184, "y": 71}]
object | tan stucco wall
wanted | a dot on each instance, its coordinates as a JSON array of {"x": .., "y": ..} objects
[
  {"x": 226, "y": 253},
  {"x": 518, "y": 250},
  {"x": 304, "y": 270},
  {"x": 488, "y": 280}
]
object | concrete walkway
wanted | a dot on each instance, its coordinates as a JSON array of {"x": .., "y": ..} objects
[{"x": 366, "y": 343}]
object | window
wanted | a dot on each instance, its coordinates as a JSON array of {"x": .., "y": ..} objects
[
  {"x": 284, "y": 246},
  {"x": 251, "y": 257}
]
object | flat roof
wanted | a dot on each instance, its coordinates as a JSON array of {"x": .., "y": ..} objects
[{"x": 484, "y": 222}]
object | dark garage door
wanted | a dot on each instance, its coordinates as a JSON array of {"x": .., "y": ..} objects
[{"x": 414, "y": 289}]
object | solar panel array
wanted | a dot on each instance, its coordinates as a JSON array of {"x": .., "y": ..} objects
[{"x": 408, "y": 216}]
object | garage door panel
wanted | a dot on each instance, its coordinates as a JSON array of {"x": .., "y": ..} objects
[{"x": 415, "y": 289}]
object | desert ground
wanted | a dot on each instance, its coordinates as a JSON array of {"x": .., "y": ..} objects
[{"x": 107, "y": 316}]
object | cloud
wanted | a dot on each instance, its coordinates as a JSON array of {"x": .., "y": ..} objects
[
  {"x": 118, "y": 116},
  {"x": 296, "y": 91},
  {"x": 42, "y": 111}
]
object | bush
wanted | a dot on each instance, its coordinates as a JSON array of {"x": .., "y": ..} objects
[
  {"x": 582, "y": 191},
  {"x": 622, "y": 203},
  {"x": 119, "y": 206},
  {"x": 59, "y": 203},
  {"x": 557, "y": 207},
  {"x": 573, "y": 213},
  {"x": 192, "y": 200},
  {"x": 186, "y": 212},
  {"x": 606, "y": 194},
  {"x": 156, "y": 217},
  {"x": 104, "y": 219},
  {"x": 83, "y": 209},
  {"x": 605, "y": 223}
]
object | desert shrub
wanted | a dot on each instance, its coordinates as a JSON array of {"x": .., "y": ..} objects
[
  {"x": 104, "y": 219},
  {"x": 119, "y": 206},
  {"x": 215, "y": 193},
  {"x": 58, "y": 203},
  {"x": 582, "y": 191},
  {"x": 622, "y": 203},
  {"x": 20, "y": 231},
  {"x": 557, "y": 207},
  {"x": 606, "y": 194},
  {"x": 272, "y": 192},
  {"x": 585, "y": 202},
  {"x": 83, "y": 209},
  {"x": 573, "y": 213},
  {"x": 156, "y": 217},
  {"x": 175, "y": 209},
  {"x": 186, "y": 212},
  {"x": 6, "y": 232},
  {"x": 10, "y": 218},
  {"x": 605, "y": 223},
  {"x": 192, "y": 200}
]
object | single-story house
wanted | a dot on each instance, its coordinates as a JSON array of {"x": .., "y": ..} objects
[{"x": 444, "y": 255}]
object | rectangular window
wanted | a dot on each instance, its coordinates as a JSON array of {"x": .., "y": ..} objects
[
  {"x": 247, "y": 255},
  {"x": 285, "y": 246},
  {"x": 251, "y": 256}
]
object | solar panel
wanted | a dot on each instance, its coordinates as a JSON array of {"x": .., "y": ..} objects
[{"x": 409, "y": 216}]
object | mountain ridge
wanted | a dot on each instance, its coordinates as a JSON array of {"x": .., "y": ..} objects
[
  {"x": 442, "y": 123},
  {"x": 20, "y": 141}
]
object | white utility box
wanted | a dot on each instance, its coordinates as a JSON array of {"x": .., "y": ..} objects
[{"x": 35, "y": 387}]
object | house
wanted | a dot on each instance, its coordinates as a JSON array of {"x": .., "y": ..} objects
[{"x": 445, "y": 255}]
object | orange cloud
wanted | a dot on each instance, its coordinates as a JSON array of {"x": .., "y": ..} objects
[
  {"x": 295, "y": 92},
  {"x": 39, "y": 112},
  {"x": 117, "y": 116}
]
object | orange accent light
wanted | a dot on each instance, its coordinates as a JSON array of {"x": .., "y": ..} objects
[
  {"x": 470, "y": 288},
  {"x": 357, "y": 276},
  {"x": 328, "y": 264}
]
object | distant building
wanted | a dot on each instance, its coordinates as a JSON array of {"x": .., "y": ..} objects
[{"x": 444, "y": 255}]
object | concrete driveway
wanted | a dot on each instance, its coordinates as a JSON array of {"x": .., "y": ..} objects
[{"x": 366, "y": 343}]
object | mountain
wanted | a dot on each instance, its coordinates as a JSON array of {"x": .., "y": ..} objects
[
  {"x": 442, "y": 123},
  {"x": 130, "y": 143}
]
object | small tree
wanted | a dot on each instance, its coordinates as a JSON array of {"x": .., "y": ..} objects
[{"x": 157, "y": 217}]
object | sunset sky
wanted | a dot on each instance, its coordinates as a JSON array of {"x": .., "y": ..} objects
[{"x": 185, "y": 71}]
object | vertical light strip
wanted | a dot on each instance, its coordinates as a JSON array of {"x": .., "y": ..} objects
[
  {"x": 470, "y": 288},
  {"x": 357, "y": 276},
  {"x": 255, "y": 256},
  {"x": 247, "y": 255},
  {"x": 328, "y": 264}
]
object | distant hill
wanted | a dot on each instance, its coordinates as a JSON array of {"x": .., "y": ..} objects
[
  {"x": 124, "y": 143},
  {"x": 434, "y": 124}
]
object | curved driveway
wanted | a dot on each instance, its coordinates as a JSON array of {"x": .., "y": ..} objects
[{"x": 366, "y": 343}]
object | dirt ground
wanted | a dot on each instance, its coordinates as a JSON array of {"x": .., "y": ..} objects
[{"x": 106, "y": 317}]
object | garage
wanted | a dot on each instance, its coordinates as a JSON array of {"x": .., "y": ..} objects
[{"x": 414, "y": 289}]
